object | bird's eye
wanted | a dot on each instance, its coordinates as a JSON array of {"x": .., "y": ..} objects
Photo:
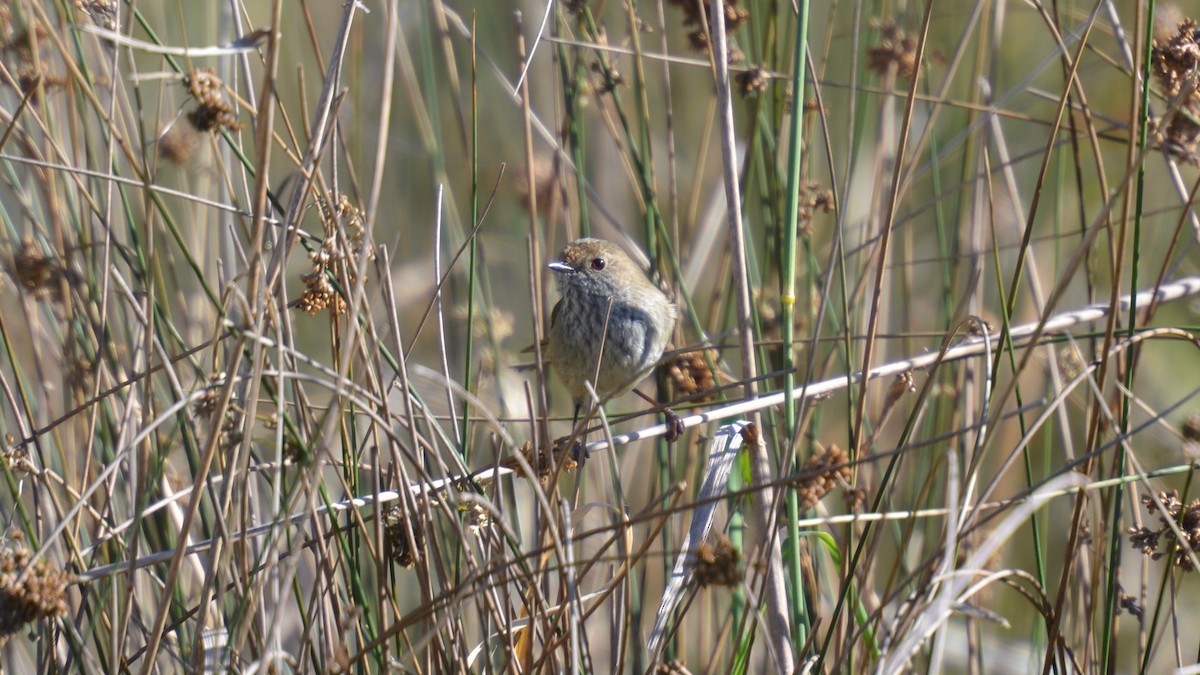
[{"x": 598, "y": 264}]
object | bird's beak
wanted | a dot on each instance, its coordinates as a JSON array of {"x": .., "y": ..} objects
[{"x": 559, "y": 266}]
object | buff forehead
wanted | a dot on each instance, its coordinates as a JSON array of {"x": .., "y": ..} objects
[{"x": 576, "y": 253}]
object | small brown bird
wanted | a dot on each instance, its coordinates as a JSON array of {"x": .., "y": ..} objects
[{"x": 600, "y": 285}]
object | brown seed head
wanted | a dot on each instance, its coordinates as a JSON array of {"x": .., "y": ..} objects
[
  {"x": 825, "y": 472},
  {"x": 717, "y": 563},
  {"x": 402, "y": 548},
  {"x": 29, "y": 590}
]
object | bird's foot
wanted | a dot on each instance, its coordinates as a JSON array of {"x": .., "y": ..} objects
[
  {"x": 579, "y": 454},
  {"x": 675, "y": 425}
]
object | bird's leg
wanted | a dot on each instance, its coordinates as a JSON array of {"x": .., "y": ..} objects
[
  {"x": 577, "y": 450},
  {"x": 675, "y": 427}
]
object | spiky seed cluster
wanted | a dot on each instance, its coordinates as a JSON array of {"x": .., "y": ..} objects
[
  {"x": 29, "y": 591},
  {"x": 609, "y": 78},
  {"x": 232, "y": 429},
  {"x": 672, "y": 667},
  {"x": 475, "y": 515},
  {"x": 978, "y": 328},
  {"x": 827, "y": 471},
  {"x": 212, "y": 112},
  {"x": 17, "y": 459},
  {"x": 690, "y": 375},
  {"x": 751, "y": 82},
  {"x": 403, "y": 549},
  {"x": 232, "y": 423},
  {"x": 35, "y": 270},
  {"x": 1130, "y": 604},
  {"x": 856, "y": 498},
  {"x": 813, "y": 199},
  {"x": 332, "y": 257},
  {"x": 206, "y": 403},
  {"x": 1174, "y": 62},
  {"x": 1186, "y": 517},
  {"x": 340, "y": 214},
  {"x": 541, "y": 461},
  {"x": 895, "y": 52},
  {"x": 717, "y": 563},
  {"x": 295, "y": 452},
  {"x": 735, "y": 16},
  {"x": 318, "y": 294}
]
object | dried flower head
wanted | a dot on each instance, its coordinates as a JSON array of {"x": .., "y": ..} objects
[
  {"x": 212, "y": 112},
  {"x": 672, "y": 667},
  {"x": 735, "y": 16},
  {"x": 717, "y": 563},
  {"x": 29, "y": 591},
  {"x": 1130, "y": 604},
  {"x": 690, "y": 375},
  {"x": 979, "y": 327},
  {"x": 1174, "y": 62},
  {"x": 813, "y": 200},
  {"x": 342, "y": 246},
  {"x": 318, "y": 294},
  {"x": 295, "y": 451},
  {"x": 18, "y": 460},
  {"x": 402, "y": 548},
  {"x": 339, "y": 214},
  {"x": 610, "y": 78},
  {"x": 895, "y": 53},
  {"x": 824, "y": 471},
  {"x": 541, "y": 461},
  {"x": 1185, "y": 517},
  {"x": 233, "y": 429},
  {"x": 902, "y": 384},
  {"x": 856, "y": 498},
  {"x": 751, "y": 82},
  {"x": 206, "y": 403},
  {"x": 477, "y": 517},
  {"x": 35, "y": 270}
]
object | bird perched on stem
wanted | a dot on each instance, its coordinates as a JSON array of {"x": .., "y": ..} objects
[{"x": 610, "y": 326}]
